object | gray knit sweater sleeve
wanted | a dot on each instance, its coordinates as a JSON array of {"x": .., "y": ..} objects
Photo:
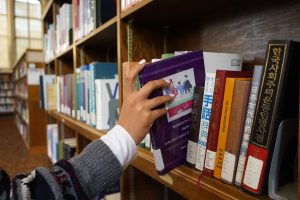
[
  {"x": 96, "y": 168},
  {"x": 83, "y": 177}
]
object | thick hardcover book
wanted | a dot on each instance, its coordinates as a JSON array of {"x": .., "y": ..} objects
[
  {"x": 194, "y": 131},
  {"x": 169, "y": 134},
  {"x": 216, "y": 112},
  {"x": 236, "y": 126},
  {"x": 224, "y": 123},
  {"x": 278, "y": 100},
  {"x": 257, "y": 74},
  {"x": 212, "y": 62}
]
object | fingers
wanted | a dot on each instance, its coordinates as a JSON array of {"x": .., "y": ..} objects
[
  {"x": 152, "y": 103},
  {"x": 153, "y": 85},
  {"x": 155, "y": 114},
  {"x": 131, "y": 72}
]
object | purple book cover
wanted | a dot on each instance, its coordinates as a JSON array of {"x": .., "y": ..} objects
[{"x": 169, "y": 133}]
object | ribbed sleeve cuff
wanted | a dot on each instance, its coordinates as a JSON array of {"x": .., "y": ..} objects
[
  {"x": 96, "y": 167},
  {"x": 121, "y": 144}
]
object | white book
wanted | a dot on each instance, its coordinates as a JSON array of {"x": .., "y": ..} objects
[
  {"x": 106, "y": 103},
  {"x": 212, "y": 63}
]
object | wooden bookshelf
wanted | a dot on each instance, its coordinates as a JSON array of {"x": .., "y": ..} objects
[
  {"x": 162, "y": 26},
  {"x": 6, "y": 93},
  {"x": 30, "y": 119}
]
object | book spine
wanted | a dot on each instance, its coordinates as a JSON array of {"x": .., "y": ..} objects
[
  {"x": 236, "y": 125},
  {"x": 266, "y": 119},
  {"x": 98, "y": 88},
  {"x": 92, "y": 96},
  {"x": 194, "y": 131},
  {"x": 214, "y": 125},
  {"x": 205, "y": 117},
  {"x": 226, "y": 109},
  {"x": 258, "y": 70}
]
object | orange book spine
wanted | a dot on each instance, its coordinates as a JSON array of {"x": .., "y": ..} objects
[{"x": 224, "y": 124}]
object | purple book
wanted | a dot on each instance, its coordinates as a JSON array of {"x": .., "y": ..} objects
[{"x": 170, "y": 132}]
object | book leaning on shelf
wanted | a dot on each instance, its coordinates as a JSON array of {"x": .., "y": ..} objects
[
  {"x": 169, "y": 134},
  {"x": 278, "y": 100}
]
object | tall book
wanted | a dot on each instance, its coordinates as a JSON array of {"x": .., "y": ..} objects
[
  {"x": 257, "y": 74},
  {"x": 278, "y": 100},
  {"x": 236, "y": 125},
  {"x": 169, "y": 134},
  {"x": 98, "y": 70},
  {"x": 224, "y": 123},
  {"x": 106, "y": 92},
  {"x": 216, "y": 112},
  {"x": 212, "y": 62},
  {"x": 194, "y": 130}
]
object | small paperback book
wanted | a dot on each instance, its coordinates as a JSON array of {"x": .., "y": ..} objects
[{"x": 169, "y": 134}]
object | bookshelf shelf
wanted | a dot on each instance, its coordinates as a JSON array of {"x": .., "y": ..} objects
[
  {"x": 67, "y": 53},
  {"x": 83, "y": 129},
  {"x": 105, "y": 35},
  {"x": 135, "y": 8},
  {"x": 185, "y": 177},
  {"x": 31, "y": 127}
]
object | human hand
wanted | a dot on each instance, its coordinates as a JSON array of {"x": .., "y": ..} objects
[{"x": 137, "y": 114}]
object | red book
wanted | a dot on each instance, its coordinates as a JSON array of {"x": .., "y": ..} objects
[
  {"x": 277, "y": 101},
  {"x": 216, "y": 112}
]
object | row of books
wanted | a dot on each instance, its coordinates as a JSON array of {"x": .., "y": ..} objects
[
  {"x": 90, "y": 95},
  {"x": 22, "y": 127},
  {"x": 225, "y": 118},
  {"x": 6, "y": 93},
  {"x": 21, "y": 89},
  {"x": 90, "y": 14},
  {"x": 49, "y": 43},
  {"x": 64, "y": 28},
  {"x": 6, "y": 86},
  {"x": 5, "y": 78},
  {"x": 22, "y": 109},
  {"x": 6, "y": 108},
  {"x": 20, "y": 72},
  {"x": 6, "y": 100},
  {"x": 59, "y": 149}
]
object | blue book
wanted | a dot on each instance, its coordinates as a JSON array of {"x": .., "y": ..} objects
[{"x": 169, "y": 134}]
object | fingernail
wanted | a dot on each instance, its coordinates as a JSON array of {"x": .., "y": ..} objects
[
  {"x": 172, "y": 95},
  {"x": 167, "y": 81},
  {"x": 142, "y": 62}
]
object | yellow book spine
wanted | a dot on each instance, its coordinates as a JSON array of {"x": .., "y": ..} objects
[{"x": 224, "y": 124}]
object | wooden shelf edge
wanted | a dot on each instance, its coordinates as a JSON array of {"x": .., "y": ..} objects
[
  {"x": 98, "y": 30},
  {"x": 185, "y": 177},
  {"x": 47, "y": 9},
  {"x": 135, "y": 8},
  {"x": 69, "y": 49},
  {"x": 83, "y": 129}
]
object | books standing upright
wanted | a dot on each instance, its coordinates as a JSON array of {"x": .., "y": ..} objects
[
  {"x": 212, "y": 62},
  {"x": 169, "y": 134},
  {"x": 278, "y": 100},
  {"x": 216, "y": 112},
  {"x": 236, "y": 125}
]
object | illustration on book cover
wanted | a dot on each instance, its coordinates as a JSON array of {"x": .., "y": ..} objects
[{"x": 181, "y": 86}]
